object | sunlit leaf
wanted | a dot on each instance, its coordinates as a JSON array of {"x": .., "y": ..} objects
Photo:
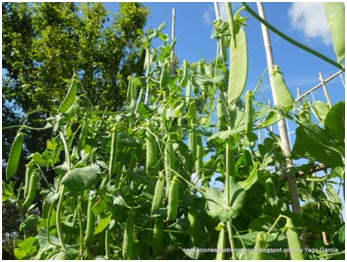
[
  {"x": 103, "y": 223},
  {"x": 81, "y": 178}
]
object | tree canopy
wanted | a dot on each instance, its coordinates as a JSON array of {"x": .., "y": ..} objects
[{"x": 45, "y": 44}]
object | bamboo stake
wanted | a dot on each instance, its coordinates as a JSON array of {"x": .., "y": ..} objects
[
  {"x": 173, "y": 38},
  {"x": 325, "y": 90},
  {"x": 319, "y": 85},
  {"x": 216, "y": 9},
  {"x": 282, "y": 123},
  {"x": 298, "y": 93}
]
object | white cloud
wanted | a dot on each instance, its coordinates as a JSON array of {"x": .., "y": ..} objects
[
  {"x": 309, "y": 18},
  {"x": 208, "y": 16}
]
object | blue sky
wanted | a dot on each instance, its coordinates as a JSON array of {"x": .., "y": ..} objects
[{"x": 304, "y": 22}]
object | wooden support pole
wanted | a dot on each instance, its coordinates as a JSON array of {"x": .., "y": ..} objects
[
  {"x": 319, "y": 85},
  {"x": 285, "y": 144},
  {"x": 325, "y": 90},
  {"x": 173, "y": 38}
]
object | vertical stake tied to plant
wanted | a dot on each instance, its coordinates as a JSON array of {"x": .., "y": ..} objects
[
  {"x": 282, "y": 126},
  {"x": 173, "y": 38}
]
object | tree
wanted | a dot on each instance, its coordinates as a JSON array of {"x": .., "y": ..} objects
[{"x": 45, "y": 44}]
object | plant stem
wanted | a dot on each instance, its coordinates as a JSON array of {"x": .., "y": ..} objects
[
  {"x": 231, "y": 239},
  {"x": 79, "y": 214},
  {"x": 58, "y": 218},
  {"x": 107, "y": 244},
  {"x": 291, "y": 40},
  {"x": 228, "y": 160},
  {"x": 231, "y": 24}
]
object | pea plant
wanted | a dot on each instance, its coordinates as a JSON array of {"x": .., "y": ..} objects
[{"x": 179, "y": 173}]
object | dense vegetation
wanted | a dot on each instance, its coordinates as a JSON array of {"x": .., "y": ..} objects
[{"x": 138, "y": 183}]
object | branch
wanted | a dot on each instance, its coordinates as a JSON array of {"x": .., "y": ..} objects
[{"x": 315, "y": 169}]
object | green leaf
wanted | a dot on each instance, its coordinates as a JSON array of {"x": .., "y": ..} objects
[
  {"x": 237, "y": 197},
  {"x": 26, "y": 248},
  {"x": 251, "y": 179},
  {"x": 216, "y": 206},
  {"x": 335, "y": 122},
  {"x": 81, "y": 178},
  {"x": 313, "y": 141},
  {"x": 104, "y": 222},
  {"x": 224, "y": 135},
  {"x": 335, "y": 16},
  {"x": 99, "y": 206},
  {"x": 39, "y": 160},
  {"x": 70, "y": 97},
  {"x": 321, "y": 109}
]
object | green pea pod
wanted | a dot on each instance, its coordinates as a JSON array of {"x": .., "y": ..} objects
[
  {"x": 113, "y": 155},
  {"x": 165, "y": 75},
  {"x": 335, "y": 16},
  {"x": 192, "y": 143},
  {"x": 283, "y": 96},
  {"x": 14, "y": 157},
  {"x": 188, "y": 92},
  {"x": 30, "y": 167},
  {"x": 223, "y": 47},
  {"x": 191, "y": 114},
  {"x": 199, "y": 156},
  {"x": 34, "y": 179},
  {"x": 90, "y": 228},
  {"x": 194, "y": 225},
  {"x": 270, "y": 188},
  {"x": 184, "y": 80},
  {"x": 173, "y": 199},
  {"x": 83, "y": 135},
  {"x": 238, "y": 66},
  {"x": 71, "y": 112},
  {"x": 158, "y": 193},
  {"x": 249, "y": 111},
  {"x": 221, "y": 244},
  {"x": 70, "y": 97},
  {"x": 128, "y": 251},
  {"x": 293, "y": 239},
  {"x": 221, "y": 116},
  {"x": 169, "y": 163},
  {"x": 158, "y": 237},
  {"x": 259, "y": 248},
  {"x": 151, "y": 150}
]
